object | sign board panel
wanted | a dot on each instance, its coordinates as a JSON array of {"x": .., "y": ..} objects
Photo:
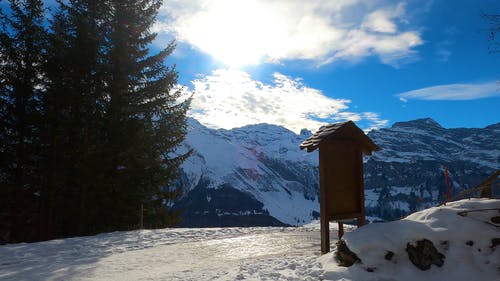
[{"x": 341, "y": 175}]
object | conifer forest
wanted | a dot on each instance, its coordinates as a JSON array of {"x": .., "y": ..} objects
[{"x": 90, "y": 120}]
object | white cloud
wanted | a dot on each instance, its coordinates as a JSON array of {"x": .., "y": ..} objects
[
  {"x": 249, "y": 32},
  {"x": 389, "y": 48},
  {"x": 380, "y": 21},
  {"x": 454, "y": 92},
  {"x": 231, "y": 98}
]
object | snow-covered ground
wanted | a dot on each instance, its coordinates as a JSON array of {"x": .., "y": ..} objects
[
  {"x": 269, "y": 253},
  {"x": 170, "y": 254}
]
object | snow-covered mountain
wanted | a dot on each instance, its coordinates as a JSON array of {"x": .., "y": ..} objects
[
  {"x": 257, "y": 175},
  {"x": 408, "y": 173},
  {"x": 254, "y": 175},
  {"x": 425, "y": 139}
]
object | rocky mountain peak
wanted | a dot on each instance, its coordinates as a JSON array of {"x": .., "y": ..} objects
[
  {"x": 305, "y": 133},
  {"x": 424, "y": 123},
  {"x": 495, "y": 127}
]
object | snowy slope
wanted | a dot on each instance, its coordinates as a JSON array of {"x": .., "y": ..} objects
[
  {"x": 263, "y": 161},
  {"x": 408, "y": 173},
  {"x": 269, "y": 253},
  {"x": 425, "y": 139}
]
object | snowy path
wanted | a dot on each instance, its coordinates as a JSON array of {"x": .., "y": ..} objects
[
  {"x": 170, "y": 254},
  {"x": 465, "y": 233}
]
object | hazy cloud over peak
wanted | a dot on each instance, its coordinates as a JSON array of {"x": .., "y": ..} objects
[{"x": 231, "y": 98}]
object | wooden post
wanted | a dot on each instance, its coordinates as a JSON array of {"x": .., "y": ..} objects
[
  {"x": 141, "y": 218},
  {"x": 341, "y": 230},
  {"x": 359, "y": 165},
  {"x": 324, "y": 218},
  {"x": 361, "y": 221},
  {"x": 325, "y": 235}
]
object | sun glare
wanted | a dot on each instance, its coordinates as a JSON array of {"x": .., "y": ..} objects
[
  {"x": 236, "y": 31},
  {"x": 240, "y": 33}
]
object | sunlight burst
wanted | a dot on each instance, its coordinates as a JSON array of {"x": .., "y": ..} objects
[
  {"x": 239, "y": 33},
  {"x": 228, "y": 31}
]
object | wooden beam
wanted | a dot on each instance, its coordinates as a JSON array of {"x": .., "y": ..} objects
[
  {"x": 325, "y": 234},
  {"x": 324, "y": 218},
  {"x": 486, "y": 186},
  {"x": 361, "y": 219}
]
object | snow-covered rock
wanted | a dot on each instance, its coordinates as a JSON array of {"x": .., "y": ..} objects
[{"x": 462, "y": 231}]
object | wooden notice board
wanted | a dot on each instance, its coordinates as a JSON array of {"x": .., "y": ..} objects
[
  {"x": 341, "y": 175},
  {"x": 341, "y": 148}
]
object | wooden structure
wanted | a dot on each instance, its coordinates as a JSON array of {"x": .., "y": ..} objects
[
  {"x": 341, "y": 148},
  {"x": 486, "y": 187}
]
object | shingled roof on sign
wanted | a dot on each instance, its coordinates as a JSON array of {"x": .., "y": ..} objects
[{"x": 344, "y": 130}]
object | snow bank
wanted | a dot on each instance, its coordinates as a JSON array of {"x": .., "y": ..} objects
[{"x": 463, "y": 231}]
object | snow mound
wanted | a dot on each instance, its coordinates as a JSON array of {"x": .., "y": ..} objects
[{"x": 466, "y": 232}]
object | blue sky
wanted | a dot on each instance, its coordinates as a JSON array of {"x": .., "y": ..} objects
[
  {"x": 305, "y": 63},
  {"x": 302, "y": 64}
]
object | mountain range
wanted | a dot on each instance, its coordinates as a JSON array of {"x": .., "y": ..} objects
[{"x": 257, "y": 175}]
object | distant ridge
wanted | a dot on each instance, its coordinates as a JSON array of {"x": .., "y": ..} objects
[
  {"x": 423, "y": 122},
  {"x": 262, "y": 168}
]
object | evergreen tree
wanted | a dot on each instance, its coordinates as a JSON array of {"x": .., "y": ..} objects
[
  {"x": 117, "y": 119},
  {"x": 90, "y": 120},
  {"x": 145, "y": 122},
  {"x": 22, "y": 50},
  {"x": 75, "y": 104}
]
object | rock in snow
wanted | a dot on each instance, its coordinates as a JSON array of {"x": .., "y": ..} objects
[{"x": 425, "y": 254}]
